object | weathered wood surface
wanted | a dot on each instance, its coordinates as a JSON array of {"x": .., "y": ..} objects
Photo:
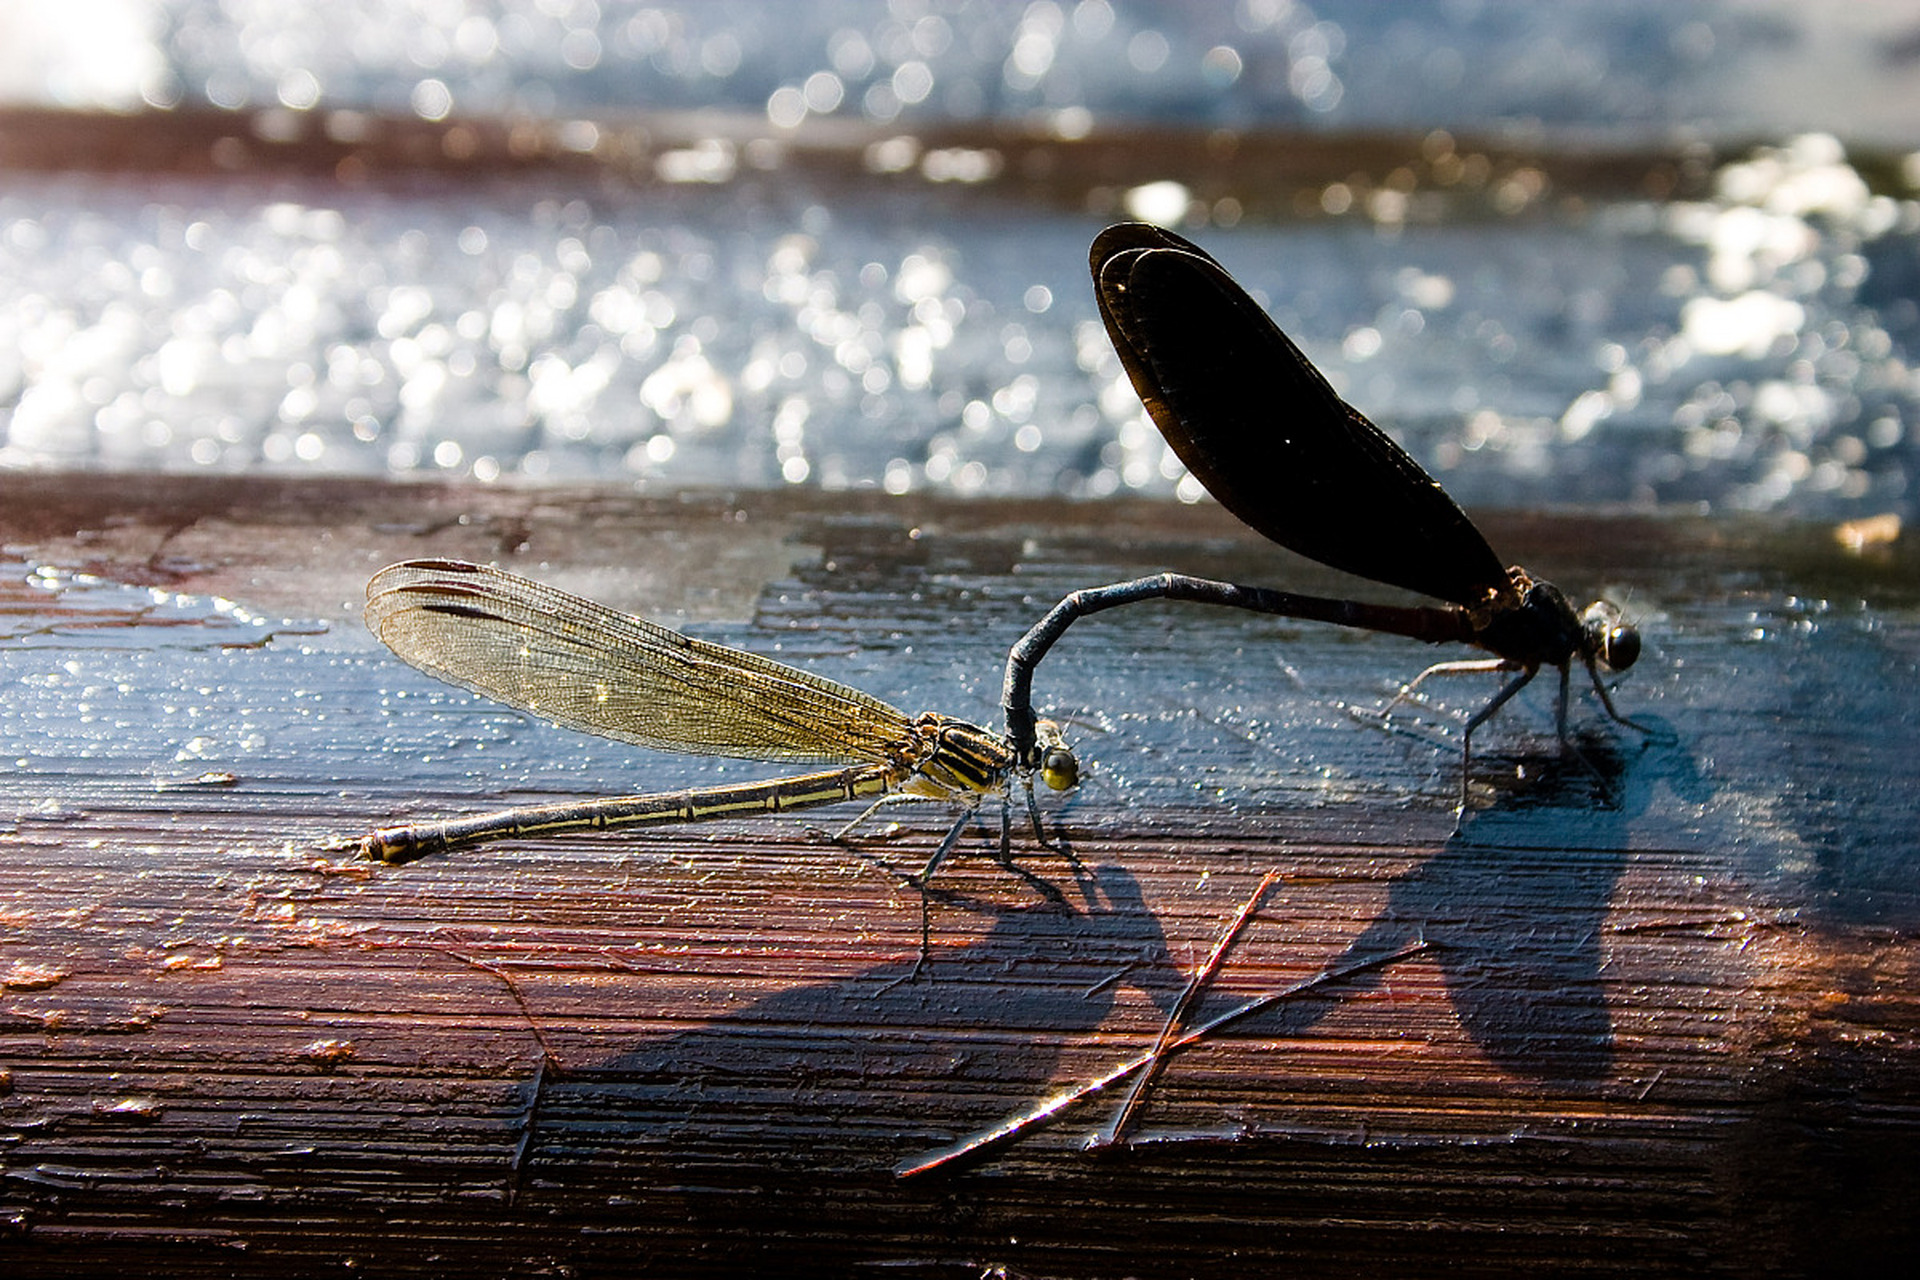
[{"x": 1665, "y": 1024}]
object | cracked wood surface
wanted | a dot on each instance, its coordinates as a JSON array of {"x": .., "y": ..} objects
[{"x": 1661, "y": 1019}]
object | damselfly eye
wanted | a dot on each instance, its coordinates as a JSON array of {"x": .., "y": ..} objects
[
  {"x": 1610, "y": 639},
  {"x": 1622, "y": 648},
  {"x": 1059, "y": 769}
]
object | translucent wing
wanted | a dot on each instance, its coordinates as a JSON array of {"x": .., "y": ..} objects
[
  {"x": 588, "y": 667},
  {"x": 1258, "y": 425}
]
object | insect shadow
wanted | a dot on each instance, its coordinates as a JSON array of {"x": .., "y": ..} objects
[
  {"x": 1515, "y": 906},
  {"x": 846, "y": 1077}
]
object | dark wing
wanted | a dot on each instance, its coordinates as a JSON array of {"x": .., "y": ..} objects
[
  {"x": 588, "y": 667},
  {"x": 1258, "y": 425}
]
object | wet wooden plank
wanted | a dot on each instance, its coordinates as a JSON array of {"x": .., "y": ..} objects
[{"x": 1666, "y": 1022}]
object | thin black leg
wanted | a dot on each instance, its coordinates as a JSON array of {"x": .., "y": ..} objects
[{"x": 1477, "y": 719}]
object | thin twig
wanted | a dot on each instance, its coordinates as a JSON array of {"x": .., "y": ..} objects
[
  {"x": 1178, "y": 1017},
  {"x": 1060, "y": 1102},
  {"x": 513, "y": 989},
  {"x": 525, "y": 1144},
  {"x": 549, "y": 1060}
]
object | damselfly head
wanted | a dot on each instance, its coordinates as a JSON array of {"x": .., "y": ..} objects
[
  {"x": 1059, "y": 768},
  {"x": 1606, "y": 634}
]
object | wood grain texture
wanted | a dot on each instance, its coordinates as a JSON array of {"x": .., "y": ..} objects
[{"x": 1665, "y": 1019}]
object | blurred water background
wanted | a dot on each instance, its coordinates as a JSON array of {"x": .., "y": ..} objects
[{"x": 1593, "y": 253}]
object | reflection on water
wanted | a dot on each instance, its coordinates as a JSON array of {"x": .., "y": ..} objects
[
  {"x": 1751, "y": 350},
  {"x": 861, "y": 262}
]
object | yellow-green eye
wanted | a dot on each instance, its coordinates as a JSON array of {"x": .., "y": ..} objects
[
  {"x": 1058, "y": 767},
  {"x": 1059, "y": 770}
]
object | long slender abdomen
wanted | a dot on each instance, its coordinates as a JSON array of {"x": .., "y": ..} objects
[{"x": 405, "y": 843}]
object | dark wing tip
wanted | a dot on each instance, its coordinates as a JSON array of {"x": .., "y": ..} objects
[{"x": 1122, "y": 237}]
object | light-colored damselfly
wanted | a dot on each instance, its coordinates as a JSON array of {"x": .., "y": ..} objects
[{"x": 584, "y": 666}]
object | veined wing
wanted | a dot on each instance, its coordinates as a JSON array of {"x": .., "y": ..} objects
[{"x": 585, "y": 666}]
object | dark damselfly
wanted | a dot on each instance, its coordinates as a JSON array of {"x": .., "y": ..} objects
[
  {"x": 585, "y": 666},
  {"x": 1261, "y": 429}
]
